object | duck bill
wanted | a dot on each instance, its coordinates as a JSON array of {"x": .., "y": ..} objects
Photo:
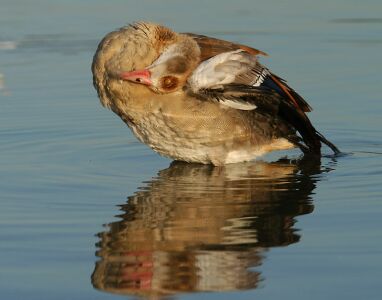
[{"x": 139, "y": 76}]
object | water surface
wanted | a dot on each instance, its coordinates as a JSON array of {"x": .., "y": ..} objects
[{"x": 87, "y": 212}]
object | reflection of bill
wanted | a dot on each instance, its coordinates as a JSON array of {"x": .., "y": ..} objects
[{"x": 201, "y": 228}]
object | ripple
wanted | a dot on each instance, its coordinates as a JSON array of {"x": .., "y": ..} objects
[
  {"x": 8, "y": 45},
  {"x": 357, "y": 20},
  {"x": 58, "y": 43}
]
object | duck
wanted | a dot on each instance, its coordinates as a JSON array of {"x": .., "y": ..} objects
[{"x": 200, "y": 99}]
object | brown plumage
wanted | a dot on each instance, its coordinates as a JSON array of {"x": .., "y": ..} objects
[
  {"x": 211, "y": 46},
  {"x": 199, "y": 99}
]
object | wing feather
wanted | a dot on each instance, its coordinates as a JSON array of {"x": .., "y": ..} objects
[
  {"x": 230, "y": 74},
  {"x": 234, "y": 67},
  {"x": 211, "y": 46}
]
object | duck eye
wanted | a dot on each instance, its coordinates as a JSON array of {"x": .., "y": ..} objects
[{"x": 169, "y": 82}]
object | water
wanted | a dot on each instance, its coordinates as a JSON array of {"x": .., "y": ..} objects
[{"x": 87, "y": 212}]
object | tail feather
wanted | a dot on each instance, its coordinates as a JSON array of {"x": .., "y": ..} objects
[
  {"x": 328, "y": 143},
  {"x": 311, "y": 138}
]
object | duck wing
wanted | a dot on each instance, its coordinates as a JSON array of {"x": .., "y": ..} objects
[{"x": 236, "y": 79}]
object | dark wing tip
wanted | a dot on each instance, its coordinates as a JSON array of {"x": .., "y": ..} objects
[{"x": 291, "y": 94}]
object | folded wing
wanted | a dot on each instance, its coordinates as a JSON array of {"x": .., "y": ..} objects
[{"x": 232, "y": 75}]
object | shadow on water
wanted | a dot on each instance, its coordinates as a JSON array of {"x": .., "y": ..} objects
[{"x": 203, "y": 228}]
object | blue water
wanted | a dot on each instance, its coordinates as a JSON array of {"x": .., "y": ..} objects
[{"x": 87, "y": 212}]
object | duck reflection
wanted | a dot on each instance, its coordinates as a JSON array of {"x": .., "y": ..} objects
[{"x": 203, "y": 228}]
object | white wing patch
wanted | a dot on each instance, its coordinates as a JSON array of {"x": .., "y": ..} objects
[
  {"x": 229, "y": 67},
  {"x": 234, "y": 67},
  {"x": 218, "y": 70},
  {"x": 237, "y": 104}
]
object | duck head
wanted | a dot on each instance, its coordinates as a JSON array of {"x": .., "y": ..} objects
[{"x": 178, "y": 55}]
